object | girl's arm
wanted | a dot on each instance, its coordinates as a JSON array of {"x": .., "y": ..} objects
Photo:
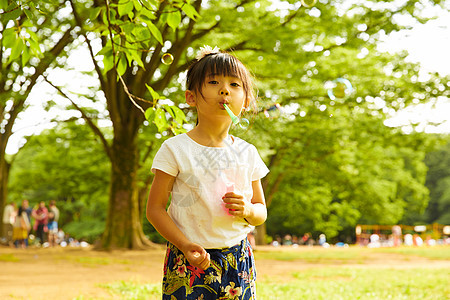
[
  {"x": 160, "y": 219},
  {"x": 255, "y": 212}
]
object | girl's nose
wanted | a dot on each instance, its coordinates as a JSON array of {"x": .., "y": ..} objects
[{"x": 224, "y": 92}]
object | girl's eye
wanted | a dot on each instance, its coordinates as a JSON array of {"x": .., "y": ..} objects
[
  {"x": 213, "y": 82},
  {"x": 235, "y": 84}
]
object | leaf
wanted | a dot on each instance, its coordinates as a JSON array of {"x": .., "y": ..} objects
[
  {"x": 141, "y": 33},
  {"x": 94, "y": 13},
  {"x": 190, "y": 11},
  {"x": 29, "y": 14},
  {"x": 25, "y": 55},
  {"x": 155, "y": 95},
  {"x": 9, "y": 38},
  {"x": 180, "y": 117},
  {"x": 32, "y": 34},
  {"x": 150, "y": 114},
  {"x": 12, "y": 12},
  {"x": 174, "y": 19},
  {"x": 16, "y": 51},
  {"x": 125, "y": 7},
  {"x": 169, "y": 110},
  {"x": 122, "y": 64},
  {"x": 155, "y": 32},
  {"x": 35, "y": 48},
  {"x": 136, "y": 56},
  {"x": 3, "y": 4},
  {"x": 160, "y": 119},
  {"x": 108, "y": 61},
  {"x": 137, "y": 5}
]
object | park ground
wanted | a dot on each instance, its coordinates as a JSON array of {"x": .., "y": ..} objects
[{"x": 77, "y": 273}]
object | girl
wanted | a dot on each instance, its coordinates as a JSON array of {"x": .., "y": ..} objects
[
  {"x": 21, "y": 228},
  {"x": 213, "y": 180}
]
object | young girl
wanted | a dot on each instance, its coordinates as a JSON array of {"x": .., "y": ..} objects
[
  {"x": 21, "y": 227},
  {"x": 213, "y": 180}
]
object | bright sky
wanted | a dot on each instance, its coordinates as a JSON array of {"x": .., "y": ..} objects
[{"x": 428, "y": 44}]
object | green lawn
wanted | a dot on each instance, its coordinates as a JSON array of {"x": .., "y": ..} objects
[{"x": 337, "y": 274}]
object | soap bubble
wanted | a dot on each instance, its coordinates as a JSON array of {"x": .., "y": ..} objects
[
  {"x": 308, "y": 3},
  {"x": 273, "y": 111},
  {"x": 167, "y": 59},
  {"x": 339, "y": 88},
  {"x": 244, "y": 123}
]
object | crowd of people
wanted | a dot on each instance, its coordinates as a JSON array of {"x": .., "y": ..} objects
[
  {"x": 20, "y": 222},
  {"x": 306, "y": 240}
]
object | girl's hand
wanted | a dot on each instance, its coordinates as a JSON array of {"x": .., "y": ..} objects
[
  {"x": 197, "y": 256},
  {"x": 237, "y": 206}
]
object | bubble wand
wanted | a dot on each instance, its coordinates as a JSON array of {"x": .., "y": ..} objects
[{"x": 243, "y": 122}]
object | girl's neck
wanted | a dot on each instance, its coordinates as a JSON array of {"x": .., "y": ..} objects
[{"x": 211, "y": 136}]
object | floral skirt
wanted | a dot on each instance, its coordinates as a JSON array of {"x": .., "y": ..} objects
[{"x": 231, "y": 275}]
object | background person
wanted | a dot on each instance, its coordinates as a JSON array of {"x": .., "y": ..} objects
[
  {"x": 9, "y": 215},
  {"x": 21, "y": 228},
  {"x": 41, "y": 218}
]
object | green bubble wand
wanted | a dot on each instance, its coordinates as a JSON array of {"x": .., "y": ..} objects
[{"x": 243, "y": 122}]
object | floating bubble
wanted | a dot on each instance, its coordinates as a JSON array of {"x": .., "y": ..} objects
[
  {"x": 308, "y": 3},
  {"x": 244, "y": 123},
  {"x": 339, "y": 88},
  {"x": 273, "y": 111},
  {"x": 167, "y": 59}
]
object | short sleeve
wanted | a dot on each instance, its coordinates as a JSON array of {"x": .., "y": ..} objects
[
  {"x": 259, "y": 168},
  {"x": 165, "y": 161}
]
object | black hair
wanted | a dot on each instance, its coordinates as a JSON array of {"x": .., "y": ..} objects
[{"x": 220, "y": 63}]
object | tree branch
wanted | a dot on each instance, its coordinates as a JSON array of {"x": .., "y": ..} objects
[
  {"x": 91, "y": 124},
  {"x": 91, "y": 51}
]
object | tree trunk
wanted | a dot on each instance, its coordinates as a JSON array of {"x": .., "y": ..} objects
[
  {"x": 4, "y": 174},
  {"x": 123, "y": 225},
  {"x": 260, "y": 234}
]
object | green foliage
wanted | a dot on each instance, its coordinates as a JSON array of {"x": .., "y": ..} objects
[
  {"x": 68, "y": 165},
  {"x": 438, "y": 182},
  {"x": 333, "y": 163},
  {"x": 86, "y": 230}
]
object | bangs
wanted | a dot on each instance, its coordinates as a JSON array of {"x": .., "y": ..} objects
[
  {"x": 218, "y": 64},
  {"x": 225, "y": 65}
]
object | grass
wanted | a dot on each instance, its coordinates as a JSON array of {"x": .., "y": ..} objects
[
  {"x": 353, "y": 254},
  {"x": 316, "y": 255},
  {"x": 436, "y": 252},
  {"x": 357, "y": 283},
  {"x": 131, "y": 290},
  {"x": 341, "y": 275},
  {"x": 8, "y": 258},
  {"x": 329, "y": 283}
]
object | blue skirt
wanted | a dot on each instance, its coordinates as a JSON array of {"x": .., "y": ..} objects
[{"x": 231, "y": 275}]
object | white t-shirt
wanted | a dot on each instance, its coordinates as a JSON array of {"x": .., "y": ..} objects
[{"x": 203, "y": 176}]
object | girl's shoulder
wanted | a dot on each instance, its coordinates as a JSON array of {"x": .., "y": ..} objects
[
  {"x": 179, "y": 139},
  {"x": 242, "y": 144}
]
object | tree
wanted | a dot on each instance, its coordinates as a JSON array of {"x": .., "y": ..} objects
[
  {"x": 293, "y": 52},
  {"x": 328, "y": 159},
  {"x": 32, "y": 36},
  {"x": 66, "y": 164},
  {"x": 438, "y": 182}
]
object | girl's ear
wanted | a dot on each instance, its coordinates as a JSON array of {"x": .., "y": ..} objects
[
  {"x": 190, "y": 98},
  {"x": 247, "y": 104}
]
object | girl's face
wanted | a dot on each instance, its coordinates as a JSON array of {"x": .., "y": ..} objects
[{"x": 216, "y": 91}]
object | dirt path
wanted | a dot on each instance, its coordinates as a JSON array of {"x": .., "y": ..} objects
[{"x": 63, "y": 273}]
